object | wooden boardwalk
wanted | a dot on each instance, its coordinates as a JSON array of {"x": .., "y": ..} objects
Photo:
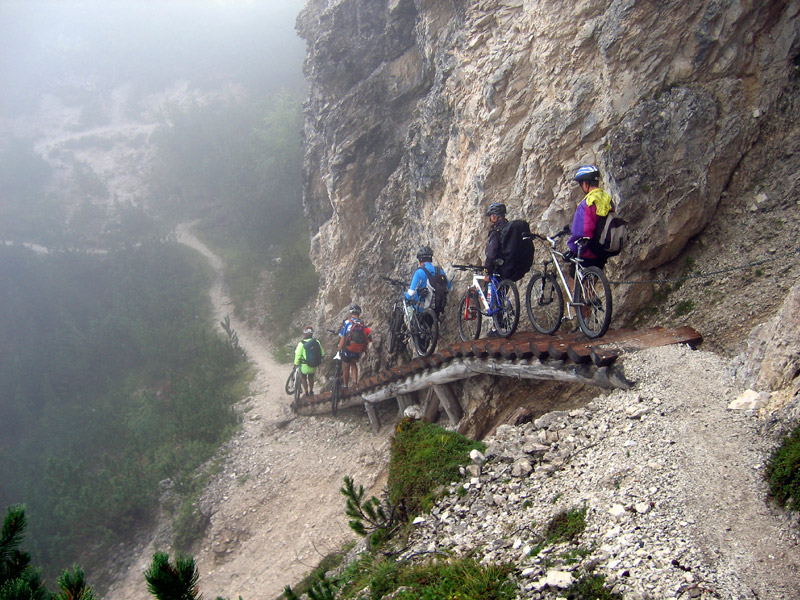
[{"x": 569, "y": 357}]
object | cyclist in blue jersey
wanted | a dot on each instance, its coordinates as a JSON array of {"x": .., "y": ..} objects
[{"x": 419, "y": 291}]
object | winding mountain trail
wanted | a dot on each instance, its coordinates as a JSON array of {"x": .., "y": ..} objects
[{"x": 274, "y": 504}]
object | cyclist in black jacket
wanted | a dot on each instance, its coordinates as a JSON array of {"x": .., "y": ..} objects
[{"x": 497, "y": 217}]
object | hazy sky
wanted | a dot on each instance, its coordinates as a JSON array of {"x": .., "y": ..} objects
[{"x": 58, "y": 45}]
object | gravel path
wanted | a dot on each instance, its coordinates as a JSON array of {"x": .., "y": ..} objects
[
  {"x": 672, "y": 482},
  {"x": 275, "y": 504}
]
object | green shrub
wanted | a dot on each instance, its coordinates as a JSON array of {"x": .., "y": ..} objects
[
  {"x": 462, "y": 579},
  {"x": 684, "y": 308},
  {"x": 424, "y": 458},
  {"x": 783, "y": 472},
  {"x": 591, "y": 587}
]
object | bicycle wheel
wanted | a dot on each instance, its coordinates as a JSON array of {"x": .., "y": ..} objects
[
  {"x": 290, "y": 383},
  {"x": 427, "y": 332},
  {"x": 298, "y": 386},
  {"x": 396, "y": 325},
  {"x": 469, "y": 317},
  {"x": 544, "y": 301},
  {"x": 594, "y": 295},
  {"x": 506, "y": 309},
  {"x": 336, "y": 387}
]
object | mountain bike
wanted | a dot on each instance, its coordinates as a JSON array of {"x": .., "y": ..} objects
[
  {"x": 500, "y": 302},
  {"x": 590, "y": 295},
  {"x": 406, "y": 321},
  {"x": 294, "y": 386},
  {"x": 293, "y": 380},
  {"x": 336, "y": 383}
]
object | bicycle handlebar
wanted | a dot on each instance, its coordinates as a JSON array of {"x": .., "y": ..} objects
[{"x": 475, "y": 268}]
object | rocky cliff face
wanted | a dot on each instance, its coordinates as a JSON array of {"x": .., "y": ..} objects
[{"x": 421, "y": 113}]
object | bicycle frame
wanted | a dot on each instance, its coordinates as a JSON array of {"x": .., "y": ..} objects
[
  {"x": 489, "y": 306},
  {"x": 553, "y": 260}
]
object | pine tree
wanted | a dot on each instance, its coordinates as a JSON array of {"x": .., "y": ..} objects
[
  {"x": 172, "y": 582},
  {"x": 19, "y": 580}
]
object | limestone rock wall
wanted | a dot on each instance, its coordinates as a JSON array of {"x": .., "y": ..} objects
[{"x": 422, "y": 112}]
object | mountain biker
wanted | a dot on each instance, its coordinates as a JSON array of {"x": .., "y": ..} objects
[
  {"x": 497, "y": 221},
  {"x": 301, "y": 354},
  {"x": 353, "y": 339},
  {"x": 596, "y": 203},
  {"x": 418, "y": 291}
]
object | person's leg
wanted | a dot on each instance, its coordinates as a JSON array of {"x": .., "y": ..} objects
[
  {"x": 304, "y": 381},
  {"x": 345, "y": 373},
  {"x": 354, "y": 366},
  {"x": 311, "y": 384}
]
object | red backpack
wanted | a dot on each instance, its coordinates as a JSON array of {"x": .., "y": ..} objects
[{"x": 356, "y": 340}]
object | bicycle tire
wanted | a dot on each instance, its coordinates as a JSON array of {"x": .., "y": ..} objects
[
  {"x": 289, "y": 387},
  {"x": 427, "y": 333},
  {"x": 336, "y": 387},
  {"x": 396, "y": 324},
  {"x": 469, "y": 317},
  {"x": 298, "y": 386},
  {"x": 544, "y": 302},
  {"x": 594, "y": 294},
  {"x": 506, "y": 315}
]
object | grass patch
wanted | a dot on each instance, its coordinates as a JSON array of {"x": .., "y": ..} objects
[
  {"x": 684, "y": 308},
  {"x": 783, "y": 472},
  {"x": 591, "y": 587},
  {"x": 565, "y": 526},
  {"x": 461, "y": 579},
  {"x": 424, "y": 458}
]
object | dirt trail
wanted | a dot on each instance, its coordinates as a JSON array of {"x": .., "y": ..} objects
[{"x": 275, "y": 504}]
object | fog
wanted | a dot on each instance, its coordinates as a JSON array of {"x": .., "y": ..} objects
[{"x": 70, "y": 48}]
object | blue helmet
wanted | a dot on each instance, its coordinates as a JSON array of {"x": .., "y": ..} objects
[
  {"x": 588, "y": 173},
  {"x": 355, "y": 309},
  {"x": 496, "y": 208}
]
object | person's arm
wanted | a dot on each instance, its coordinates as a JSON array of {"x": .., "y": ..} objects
[
  {"x": 416, "y": 281},
  {"x": 298, "y": 354}
]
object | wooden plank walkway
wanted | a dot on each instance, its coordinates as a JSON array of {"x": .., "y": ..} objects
[{"x": 525, "y": 355}]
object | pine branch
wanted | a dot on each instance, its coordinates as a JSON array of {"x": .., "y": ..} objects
[
  {"x": 172, "y": 582},
  {"x": 73, "y": 586}
]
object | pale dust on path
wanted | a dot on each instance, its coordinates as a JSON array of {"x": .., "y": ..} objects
[{"x": 275, "y": 506}]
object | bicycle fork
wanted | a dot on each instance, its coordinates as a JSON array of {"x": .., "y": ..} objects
[{"x": 570, "y": 301}]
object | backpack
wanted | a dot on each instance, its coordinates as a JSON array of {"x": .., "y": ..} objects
[
  {"x": 437, "y": 284},
  {"x": 356, "y": 341},
  {"x": 610, "y": 235},
  {"x": 313, "y": 352},
  {"x": 516, "y": 250}
]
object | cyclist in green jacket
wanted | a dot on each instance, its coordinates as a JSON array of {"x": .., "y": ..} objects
[{"x": 307, "y": 357}]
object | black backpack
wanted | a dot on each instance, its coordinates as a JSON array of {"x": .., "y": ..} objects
[
  {"x": 313, "y": 352},
  {"x": 437, "y": 282},
  {"x": 610, "y": 235},
  {"x": 516, "y": 250}
]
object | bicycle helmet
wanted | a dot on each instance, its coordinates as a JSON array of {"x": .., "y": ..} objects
[
  {"x": 355, "y": 309},
  {"x": 496, "y": 208},
  {"x": 425, "y": 254},
  {"x": 308, "y": 330},
  {"x": 588, "y": 173}
]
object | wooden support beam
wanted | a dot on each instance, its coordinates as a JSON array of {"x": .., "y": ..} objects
[
  {"x": 451, "y": 404},
  {"x": 605, "y": 377},
  {"x": 373, "y": 416},
  {"x": 431, "y": 406},
  {"x": 404, "y": 401}
]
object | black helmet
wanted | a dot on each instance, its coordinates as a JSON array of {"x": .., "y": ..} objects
[
  {"x": 425, "y": 254},
  {"x": 355, "y": 309},
  {"x": 588, "y": 173},
  {"x": 496, "y": 208}
]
